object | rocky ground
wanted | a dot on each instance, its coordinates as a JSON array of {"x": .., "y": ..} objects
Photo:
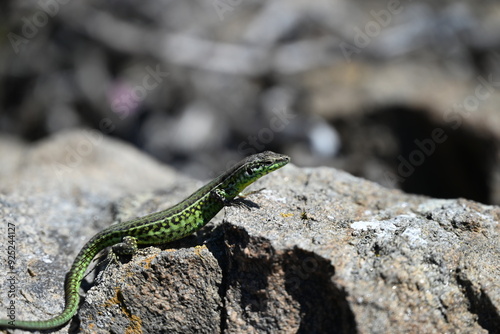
[{"x": 323, "y": 251}]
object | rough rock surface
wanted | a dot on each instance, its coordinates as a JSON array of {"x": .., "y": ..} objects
[
  {"x": 182, "y": 284},
  {"x": 321, "y": 251}
]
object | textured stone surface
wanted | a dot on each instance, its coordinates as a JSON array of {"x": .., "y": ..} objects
[
  {"x": 58, "y": 193},
  {"x": 171, "y": 291},
  {"x": 354, "y": 256},
  {"x": 322, "y": 251}
]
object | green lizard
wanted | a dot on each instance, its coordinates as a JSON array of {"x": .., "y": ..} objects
[{"x": 159, "y": 228}]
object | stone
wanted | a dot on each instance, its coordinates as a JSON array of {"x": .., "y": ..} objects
[{"x": 319, "y": 251}]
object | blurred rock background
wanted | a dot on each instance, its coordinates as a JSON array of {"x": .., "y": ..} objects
[{"x": 404, "y": 93}]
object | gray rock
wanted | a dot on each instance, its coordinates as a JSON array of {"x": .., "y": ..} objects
[
  {"x": 170, "y": 291},
  {"x": 340, "y": 254},
  {"x": 321, "y": 251}
]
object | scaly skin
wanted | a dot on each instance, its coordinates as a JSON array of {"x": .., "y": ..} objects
[{"x": 159, "y": 228}]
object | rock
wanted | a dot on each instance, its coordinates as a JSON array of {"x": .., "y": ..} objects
[
  {"x": 321, "y": 251},
  {"x": 170, "y": 291},
  {"x": 55, "y": 194},
  {"x": 352, "y": 256}
]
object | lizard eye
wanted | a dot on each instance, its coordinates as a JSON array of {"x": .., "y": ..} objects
[{"x": 249, "y": 171}]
